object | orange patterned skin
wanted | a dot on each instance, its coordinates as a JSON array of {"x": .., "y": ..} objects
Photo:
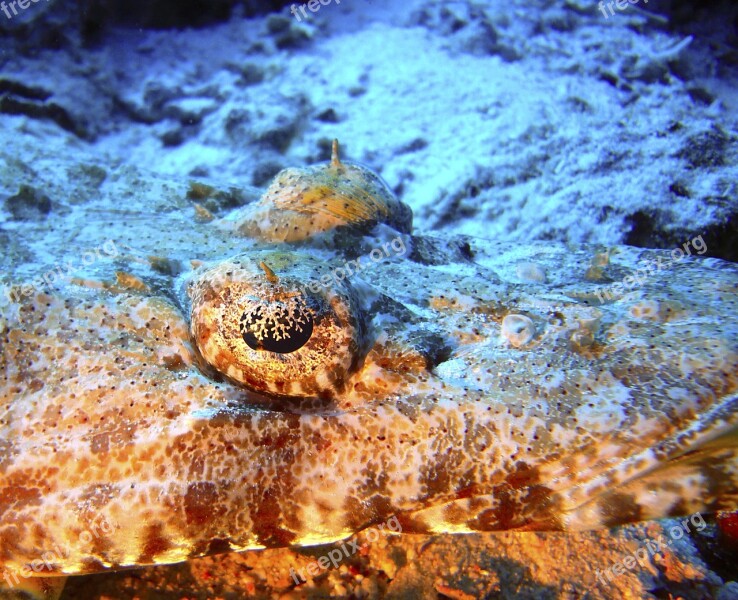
[{"x": 138, "y": 426}]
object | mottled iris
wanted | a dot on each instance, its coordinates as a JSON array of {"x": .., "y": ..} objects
[{"x": 281, "y": 327}]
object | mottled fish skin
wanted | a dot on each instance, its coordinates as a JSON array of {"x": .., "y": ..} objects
[{"x": 488, "y": 398}]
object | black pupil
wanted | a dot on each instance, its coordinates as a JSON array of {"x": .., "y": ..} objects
[{"x": 276, "y": 328}]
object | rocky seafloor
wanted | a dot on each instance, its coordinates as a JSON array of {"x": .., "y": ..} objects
[{"x": 514, "y": 121}]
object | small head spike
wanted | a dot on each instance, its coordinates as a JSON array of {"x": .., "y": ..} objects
[
  {"x": 270, "y": 275},
  {"x": 302, "y": 202},
  {"x": 335, "y": 160}
]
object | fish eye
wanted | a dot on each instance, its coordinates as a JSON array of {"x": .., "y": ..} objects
[
  {"x": 267, "y": 321},
  {"x": 280, "y": 326}
]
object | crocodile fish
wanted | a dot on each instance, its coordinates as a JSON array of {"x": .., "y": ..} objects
[{"x": 182, "y": 377}]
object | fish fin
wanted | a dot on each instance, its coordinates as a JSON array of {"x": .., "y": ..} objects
[
  {"x": 702, "y": 477},
  {"x": 35, "y": 588},
  {"x": 702, "y": 480}
]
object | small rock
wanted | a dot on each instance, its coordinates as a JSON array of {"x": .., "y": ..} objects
[
  {"x": 413, "y": 146},
  {"x": 294, "y": 37},
  {"x": 705, "y": 150},
  {"x": 278, "y": 136},
  {"x": 250, "y": 74},
  {"x": 560, "y": 20},
  {"x": 356, "y": 90},
  {"x": 235, "y": 121},
  {"x": 29, "y": 204},
  {"x": 278, "y": 23},
  {"x": 701, "y": 95},
  {"x": 679, "y": 189},
  {"x": 172, "y": 138},
  {"x": 328, "y": 116}
]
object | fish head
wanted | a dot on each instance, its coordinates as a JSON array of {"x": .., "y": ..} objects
[{"x": 295, "y": 392}]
